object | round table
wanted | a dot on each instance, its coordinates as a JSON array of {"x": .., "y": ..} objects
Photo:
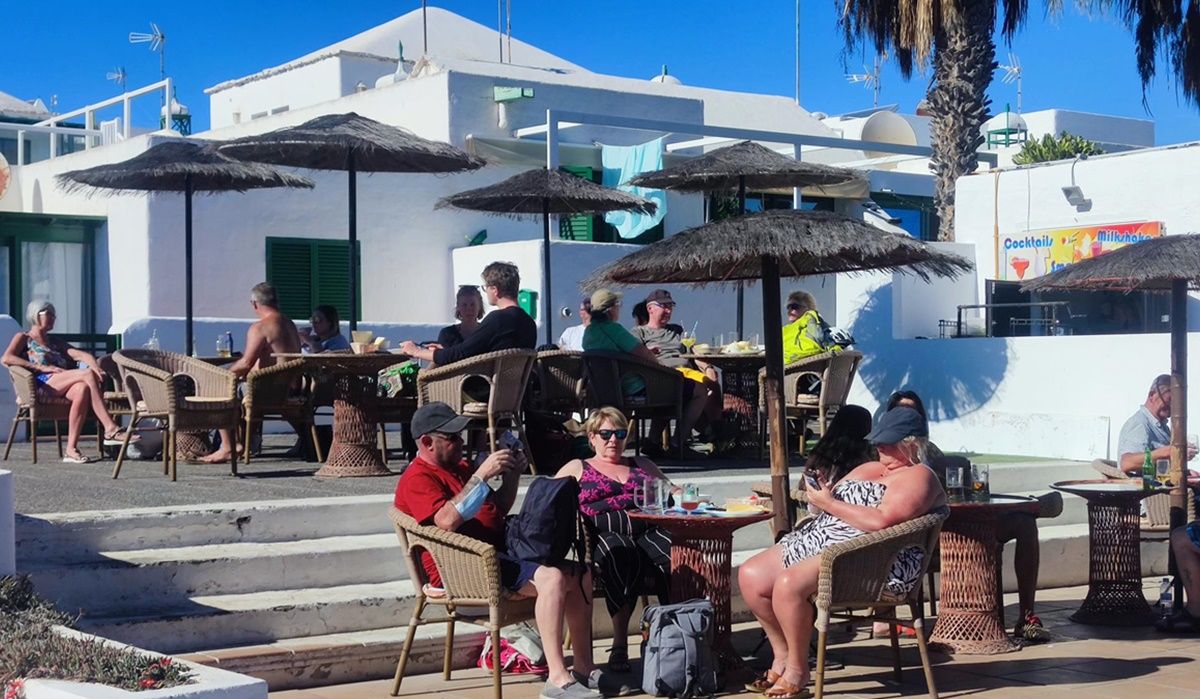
[
  {"x": 702, "y": 563},
  {"x": 969, "y": 620},
  {"x": 739, "y": 388},
  {"x": 1114, "y": 595},
  {"x": 355, "y": 448}
]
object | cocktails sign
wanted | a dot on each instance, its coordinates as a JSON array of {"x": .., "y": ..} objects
[{"x": 1034, "y": 253}]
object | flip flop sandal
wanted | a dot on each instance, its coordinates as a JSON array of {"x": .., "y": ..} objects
[
  {"x": 77, "y": 459},
  {"x": 782, "y": 689},
  {"x": 117, "y": 438},
  {"x": 763, "y": 682}
]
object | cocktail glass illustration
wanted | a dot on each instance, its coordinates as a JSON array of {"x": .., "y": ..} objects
[{"x": 1019, "y": 265}]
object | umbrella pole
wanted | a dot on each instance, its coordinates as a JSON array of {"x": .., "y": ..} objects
[
  {"x": 773, "y": 392},
  {"x": 741, "y": 288},
  {"x": 352, "y": 194},
  {"x": 1179, "y": 495},
  {"x": 189, "y": 342},
  {"x": 546, "y": 268}
]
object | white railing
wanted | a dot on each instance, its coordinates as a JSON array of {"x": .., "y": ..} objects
[{"x": 90, "y": 133}]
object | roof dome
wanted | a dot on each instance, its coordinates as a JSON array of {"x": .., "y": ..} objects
[
  {"x": 177, "y": 108},
  {"x": 1006, "y": 120},
  {"x": 664, "y": 77}
]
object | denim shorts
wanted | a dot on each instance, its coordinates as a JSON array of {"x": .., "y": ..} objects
[
  {"x": 1193, "y": 532},
  {"x": 42, "y": 378}
]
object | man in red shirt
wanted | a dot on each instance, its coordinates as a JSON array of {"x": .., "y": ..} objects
[{"x": 440, "y": 488}]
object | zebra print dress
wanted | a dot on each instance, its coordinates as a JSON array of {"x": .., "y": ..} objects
[{"x": 824, "y": 530}]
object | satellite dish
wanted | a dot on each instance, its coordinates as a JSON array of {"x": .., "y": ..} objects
[{"x": 5, "y": 175}]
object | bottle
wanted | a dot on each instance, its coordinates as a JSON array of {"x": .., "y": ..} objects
[
  {"x": 152, "y": 343},
  {"x": 1165, "y": 594},
  {"x": 1148, "y": 472},
  {"x": 229, "y": 339}
]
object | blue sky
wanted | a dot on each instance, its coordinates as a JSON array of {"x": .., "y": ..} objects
[{"x": 1071, "y": 63}]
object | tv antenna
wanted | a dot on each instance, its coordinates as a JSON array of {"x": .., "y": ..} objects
[
  {"x": 118, "y": 76},
  {"x": 871, "y": 79},
  {"x": 1012, "y": 73},
  {"x": 158, "y": 42}
]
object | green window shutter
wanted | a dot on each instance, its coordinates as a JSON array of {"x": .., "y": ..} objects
[
  {"x": 290, "y": 267},
  {"x": 579, "y": 226},
  {"x": 333, "y": 276}
]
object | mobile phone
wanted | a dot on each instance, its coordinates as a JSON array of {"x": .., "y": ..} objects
[{"x": 811, "y": 480}]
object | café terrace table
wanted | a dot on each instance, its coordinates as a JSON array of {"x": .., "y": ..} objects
[
  {"x": 969, "y": 620},
  {"x": 1114, "y": 595},
  {"x": 702, "y": 563},
  {"x": 354, "y": 451},
  {"x": 739, "y": 387}
]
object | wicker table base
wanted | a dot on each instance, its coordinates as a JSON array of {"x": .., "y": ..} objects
[
  {"x": 1114, "y": 595},
  {"x": 739, "y": 389},
  {"x": 193, "y": 445},
  {"x": 355, "y": 450},
  {"x": 969, "y": 620},
  {"x": 702, "y": 566}
]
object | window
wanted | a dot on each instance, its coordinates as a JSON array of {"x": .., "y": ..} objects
[
  {"x": 308, "y": 272},
  {"x": 1065, "y": 312},
  {"x": 279, "y": 110},
  {"x": 50, "y": 258},
  {"x": 917, "y": 214},
  {"x": 593, "y": 228}
]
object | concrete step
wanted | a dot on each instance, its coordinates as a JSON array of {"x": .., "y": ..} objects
[
  {"x": 211, "y": 621},
  {"x": 74, "y": 536},
  {"x": 131, "y": 582}
]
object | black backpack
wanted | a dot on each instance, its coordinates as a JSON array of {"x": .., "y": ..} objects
[{"x": 547, "y": 529}]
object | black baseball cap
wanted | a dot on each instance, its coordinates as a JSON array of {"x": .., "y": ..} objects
[
  {"x": 437, "y": 417},
  {"x": 898, "y": 423}
]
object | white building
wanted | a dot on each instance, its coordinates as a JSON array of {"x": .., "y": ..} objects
[{"x": 113, "y": 264}]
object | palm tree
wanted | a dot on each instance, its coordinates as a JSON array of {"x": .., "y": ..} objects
[
  {"x": 1162, "y": 27},
  {"x": 958, "y": 36}
]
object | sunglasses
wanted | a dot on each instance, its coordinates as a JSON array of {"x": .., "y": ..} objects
[
  {"x": 609, "y": 434},
  {"x": 793, "y": 306},
  {"x": 449, "y": 437}
]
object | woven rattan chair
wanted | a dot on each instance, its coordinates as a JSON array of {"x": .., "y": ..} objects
[
  {"x": 836, "y": 372},
  {"x": 186, "y": 393},
  {"x": 853, "y": 576},
  {"x": 662, "y": 399},
  {"x": 560, "y": 382},
  {"x": 279, "y": 392},
  {"x": 507, "y": 375},
  {"x": 470, "y": 575},
  {"x": 33, "y": 406},
  {"x": 393, "y": 410}
]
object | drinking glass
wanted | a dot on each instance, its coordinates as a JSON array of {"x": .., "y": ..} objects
[
  {"x": 223, "y": 349},
  {"x": 754, "y": 341},
  {"x": 1193, "y": 442},
  {"x": 651, "y": 499},
  {"x": 1162, "y": 469},
  {"x": 688, "y": 340},
  {"x": 719, "y": 341},
  {"x": 954, "y": 482},
  {"x": 980, "y": 486},
  {"x": 691, "y": 497}
]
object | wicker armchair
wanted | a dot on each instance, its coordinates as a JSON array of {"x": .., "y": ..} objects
[
  {"x": 662, "y": 399},
  {"x": 853, "y": 576},
  {"x": 835, "y": 370},
  {"x": 188, "y": 394},
  {"x": 470, "y": 575},
  {"x": 560, "y": 382},
  {"x": 34, "y": 406},
  {"x": 507, "y": 375},
  {"x": 279, "y": 392}
]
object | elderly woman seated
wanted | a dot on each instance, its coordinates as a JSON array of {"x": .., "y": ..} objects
[
  {"x": 59, "y": 374},
  {"x": 778, "y": 582},
  {"x": 626, "y": 552}
]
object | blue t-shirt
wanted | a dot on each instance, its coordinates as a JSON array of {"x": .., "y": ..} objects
[{"x": 1143, "y": 430}]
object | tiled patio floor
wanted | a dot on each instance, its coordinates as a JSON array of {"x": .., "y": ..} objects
[{"x": 1089, "y": 662}]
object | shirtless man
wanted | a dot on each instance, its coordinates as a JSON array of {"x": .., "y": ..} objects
[{"x": 273, "y": 333}]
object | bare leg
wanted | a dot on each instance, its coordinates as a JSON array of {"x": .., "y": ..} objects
[
  {"x": 795, "y": 614},
  {"x": 756, "y": 578},
  {"x": 1023, "y": 528},
  {"x": 61, "y": 382},
  {"x": 78, "y": 395},
  {"x": 691, "y": 413},
  {"x": 221, "y": 455},
  {"x": 1187, "y": 557},
  {"x": 551, "y": 586},
  {"x": 579, "y": 620}
]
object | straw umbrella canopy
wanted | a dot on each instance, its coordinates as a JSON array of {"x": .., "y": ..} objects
[
  {"x": 180, "y": 166},
  {"x": 1170, "y": 263},
  {"x": 741, "y": 165},
  {"x": 766, "y": 246},
  {"x": 544, "y": 192},
  {"x": 354, "y": 144}
]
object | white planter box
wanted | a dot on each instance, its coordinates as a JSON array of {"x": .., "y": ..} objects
[
  {"x": 207, "y": 683},
  {"x": 8, "y": 527}
]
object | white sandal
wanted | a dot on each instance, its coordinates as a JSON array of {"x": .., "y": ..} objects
[{"x": 78, "y": 458}]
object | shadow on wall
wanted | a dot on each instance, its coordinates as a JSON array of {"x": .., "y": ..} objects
[{"x": 954, "y": 377}]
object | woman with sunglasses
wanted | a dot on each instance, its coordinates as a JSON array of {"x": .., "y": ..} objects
[
  {"x": 804, "y": 335},
  {"x": 626, "y": 552}
]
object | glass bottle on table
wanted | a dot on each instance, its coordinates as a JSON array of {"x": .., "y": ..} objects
[
  {"x": 1147, "y": 472},
  {"x": 223, "y": 346}
]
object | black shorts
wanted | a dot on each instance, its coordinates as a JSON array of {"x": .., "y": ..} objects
[{"x": 514, "y": 573}]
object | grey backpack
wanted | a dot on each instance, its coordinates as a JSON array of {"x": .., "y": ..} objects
[{"x": 677, "y": 655}]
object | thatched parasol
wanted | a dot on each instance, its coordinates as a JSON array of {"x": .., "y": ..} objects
[
  {"x": 1170, "y": 263},
  {"x": 741, "y": 165},
  {"x": 765, "y": 246},
  {"x": 544, "y": 192},
  {"x": 180, "y": 166},
  {"x": 351, "y": 143}
]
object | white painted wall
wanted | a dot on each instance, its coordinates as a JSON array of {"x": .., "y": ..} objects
[
  {"x": 918, "y": 305},
  {"x": 304, "y": 85},
  {"x": 1109, "y": 131},
  {"x": 8, "y": 527}
]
